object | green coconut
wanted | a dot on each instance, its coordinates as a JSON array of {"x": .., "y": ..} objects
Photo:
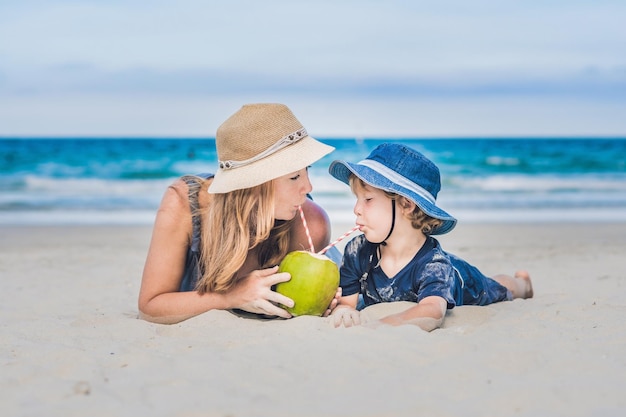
[{"x": 313, "y": 284}]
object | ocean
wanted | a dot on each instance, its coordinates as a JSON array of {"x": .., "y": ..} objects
[{"x": 64, "y": 181}]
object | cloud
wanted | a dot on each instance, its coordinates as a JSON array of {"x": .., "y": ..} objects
[
  {"x": 349, "y": 37},
  {"x": 193, "y": 51},
  {"x": 86, "y": 79}
]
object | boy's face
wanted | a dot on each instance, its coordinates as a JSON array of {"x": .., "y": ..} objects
[{"x": 373, "y": 211}]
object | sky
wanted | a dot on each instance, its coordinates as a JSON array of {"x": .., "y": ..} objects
[{"x": 346, "y": 68}]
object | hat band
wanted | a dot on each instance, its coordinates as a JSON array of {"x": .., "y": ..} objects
[
  {"x": 282, "y": 143},
  {"x": 398, "y": 179}
]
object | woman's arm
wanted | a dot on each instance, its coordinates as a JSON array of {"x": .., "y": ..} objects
[{"x": 159, "y": 297}]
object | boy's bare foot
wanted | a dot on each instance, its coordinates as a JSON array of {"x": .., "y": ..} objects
[{"x": 522, "y": 274}]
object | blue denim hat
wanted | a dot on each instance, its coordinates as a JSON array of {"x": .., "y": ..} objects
[{"x": 401, "y": 170}]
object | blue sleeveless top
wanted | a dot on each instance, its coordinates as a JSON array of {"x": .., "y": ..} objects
[{"x": 193, "y": 270}]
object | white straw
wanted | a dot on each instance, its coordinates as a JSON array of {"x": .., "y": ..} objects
[
  {"x": 339, "y": 239},
  {"x": 306, "y": 229}
]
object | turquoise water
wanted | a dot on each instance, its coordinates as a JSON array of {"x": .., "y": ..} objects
[{"x": 121, "y": 181}]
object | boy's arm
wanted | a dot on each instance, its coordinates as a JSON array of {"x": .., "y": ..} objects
[{"x": 428, "y": 314}]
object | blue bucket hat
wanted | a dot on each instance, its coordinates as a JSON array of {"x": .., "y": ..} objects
[{"x": 401, "y": 170}]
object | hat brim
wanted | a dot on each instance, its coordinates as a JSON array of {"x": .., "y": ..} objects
[
  {"x": 342, "y": 171},
  {"x": 287, "y": 160}
]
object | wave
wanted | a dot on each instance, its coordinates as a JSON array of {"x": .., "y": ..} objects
[
  {"x": 123, "y": 180},
  {"x": 538, "y": 183},
  {"x": 32, "y": 192}
]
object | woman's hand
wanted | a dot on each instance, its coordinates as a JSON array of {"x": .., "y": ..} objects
[
  {"x": 334, "y": 302},
  {"x": 255, "y": 293}
]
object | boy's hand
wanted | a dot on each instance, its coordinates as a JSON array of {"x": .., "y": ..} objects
[{"x": 347, "y": 316}]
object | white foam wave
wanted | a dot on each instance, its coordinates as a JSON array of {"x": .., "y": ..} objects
[
  {"x": 42, "y": 200},
  {"x": 546, "y": 183},
  {"x": 502, "y": 161}
]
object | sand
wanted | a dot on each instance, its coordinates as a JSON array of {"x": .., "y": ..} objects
[{"x": 71, "y": 343}]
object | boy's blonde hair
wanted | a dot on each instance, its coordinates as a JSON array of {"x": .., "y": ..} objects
[{"x": 419, "y": 220}]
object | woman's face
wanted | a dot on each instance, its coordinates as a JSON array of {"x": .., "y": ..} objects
[
  {"x": 290, "y": 192},
  {"x": 373, "y": 212}
]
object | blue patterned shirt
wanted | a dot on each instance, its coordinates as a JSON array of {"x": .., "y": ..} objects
[{"x": 431, "y": 272}]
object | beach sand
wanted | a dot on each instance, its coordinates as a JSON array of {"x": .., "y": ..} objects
[{"x": 72, "y": 345}]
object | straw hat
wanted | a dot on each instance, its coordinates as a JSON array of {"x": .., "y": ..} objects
[
  {"x": 261, "y": 142},
  {"x": 401, "y": 170}
]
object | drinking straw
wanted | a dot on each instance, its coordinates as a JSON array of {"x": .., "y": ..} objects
[
  {"x": 339, "y": 239},
  {"x": 306, "y": 229}
]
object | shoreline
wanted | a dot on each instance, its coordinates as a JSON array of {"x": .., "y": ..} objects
[
  {"x": 72, "y": 343},
  {"x": 340, "y": 214}
]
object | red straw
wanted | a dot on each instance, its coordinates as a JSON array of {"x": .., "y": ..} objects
[
  {"x": 339, "y": 239},
  {"x": 306, "y": 229}
]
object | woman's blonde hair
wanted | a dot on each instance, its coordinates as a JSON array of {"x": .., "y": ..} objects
[
  {"x": 232, "y": 224},
  {"x": 419, "y": 219}
]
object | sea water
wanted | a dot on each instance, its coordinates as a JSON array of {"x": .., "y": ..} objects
[{"x": 121, "y": 181}]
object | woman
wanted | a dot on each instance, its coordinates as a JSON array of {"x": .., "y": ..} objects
[{"x": 219, "y": 249}]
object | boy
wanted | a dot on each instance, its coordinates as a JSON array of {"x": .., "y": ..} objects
[{"x": 396, "y": 258}]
